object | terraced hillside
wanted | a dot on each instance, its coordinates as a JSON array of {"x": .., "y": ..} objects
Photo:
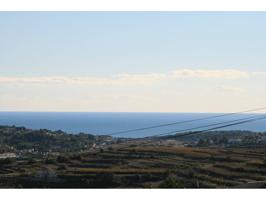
[{"x": 141, "y": 167}]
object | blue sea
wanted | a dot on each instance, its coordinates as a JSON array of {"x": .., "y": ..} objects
[{"x": 108, "y": 123}]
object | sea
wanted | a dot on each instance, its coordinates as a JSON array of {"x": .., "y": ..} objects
[{"x": 101, "y": 123}]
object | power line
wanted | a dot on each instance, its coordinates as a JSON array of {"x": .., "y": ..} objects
[
  {"x": 183, "y": 122},
  {"x": 262, "y": 117},
  {"x": 219, "y": 127},
  {"x": 205, "y": 126}
]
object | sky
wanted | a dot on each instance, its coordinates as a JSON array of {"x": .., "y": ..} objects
[{"x": 132, "y": 61}]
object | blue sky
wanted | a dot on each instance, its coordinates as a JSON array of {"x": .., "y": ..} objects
[{"x": 132, "y": 61}]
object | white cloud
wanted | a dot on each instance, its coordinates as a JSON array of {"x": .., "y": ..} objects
[
  {"x": 131, "y": 79},
  {"x": 123, "y": 79},
  {"x": 140, "y": 78},
  {"x": 259, "y": 73},
  {"x": 233, "y": 89},
  {"x": 226, "y": 74}
]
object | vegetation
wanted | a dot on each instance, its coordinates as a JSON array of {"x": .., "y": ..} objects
[
  {"x": 19, "y": 139},
  {"x": 171, "y": 182},
  {"x": 134, "y": 164}
]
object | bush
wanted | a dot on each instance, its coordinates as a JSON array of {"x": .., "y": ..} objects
[
  {"x": 105, "y": 180},
  {"x": 62, "y": 159},
  {"x": 31, "y": 161},
  {"x": 50, "y": 161},
  {"x": 62, "y": 167},
  {"x": 6, "y": 161},
  {"x": 171, "y": 182},
  {"x": 77, "y": 157}
]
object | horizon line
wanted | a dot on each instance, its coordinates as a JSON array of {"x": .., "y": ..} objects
[{"x": 40, "y": 111}]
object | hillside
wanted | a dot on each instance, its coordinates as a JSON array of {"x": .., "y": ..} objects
[
  {"x": 22, "y": 139},
  {"x": 54, "y": 159}
]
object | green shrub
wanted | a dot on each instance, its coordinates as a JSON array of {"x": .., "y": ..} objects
[
  {"x": 104, "y": 180},
  {"x": 6, "y": 161},
  {"x": 62, "y": 167},
  {"x": 50, "y": 161},
  {"x": 62, "y": 159},
  {"x": 171, "y": 182}
]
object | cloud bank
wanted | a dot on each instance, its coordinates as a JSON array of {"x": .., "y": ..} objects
[
  {"x": 131, "y": 79},
  {"x": 225, "y": 74}
]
